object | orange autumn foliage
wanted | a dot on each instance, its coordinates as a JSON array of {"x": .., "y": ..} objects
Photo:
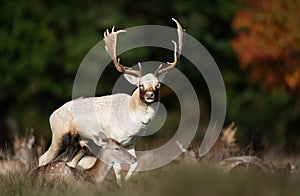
[{"x": 268, "y": 41}]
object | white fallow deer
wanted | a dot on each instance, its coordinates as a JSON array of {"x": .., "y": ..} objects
[
  {"x": 119, "y": 116},
  {"x": 109, "y": 152}
]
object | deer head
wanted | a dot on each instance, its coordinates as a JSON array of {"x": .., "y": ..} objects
[
  {"x": 111, "y": 151},
  {"x": 150, "y": 83}
]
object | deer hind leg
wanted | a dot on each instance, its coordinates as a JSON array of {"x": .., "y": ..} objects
[
  {"x": 58, "y": 144},
  {"x": 49, "y": 155}
]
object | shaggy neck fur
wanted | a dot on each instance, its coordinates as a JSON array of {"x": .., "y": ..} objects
[
  {"x": 141, "y": 111},
  {"x": 136, "y": 103}
]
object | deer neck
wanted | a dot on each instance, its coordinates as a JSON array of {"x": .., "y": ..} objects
[
  {"x": 141, "y": 111},
  {"x": 99, "y": 171},
  {"x": 135, "y": 103}
]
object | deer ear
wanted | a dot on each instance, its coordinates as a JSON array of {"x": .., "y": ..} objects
[
  {"x": 100, "y": 139},
  {"x": 132, "y": 79}
]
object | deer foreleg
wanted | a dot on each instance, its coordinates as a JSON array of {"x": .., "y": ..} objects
[
  {"x": 132, "y": 166},
  {"x": 117, "y": 170}
]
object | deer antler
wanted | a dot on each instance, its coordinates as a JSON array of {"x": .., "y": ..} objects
[
  {"x": 110, "y": 39},
  {"x": 177, "y": 51}
]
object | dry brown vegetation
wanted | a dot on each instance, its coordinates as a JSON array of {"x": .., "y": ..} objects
[{"x": 225, "y": 170}]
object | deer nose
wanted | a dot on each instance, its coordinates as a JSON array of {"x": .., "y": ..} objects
[{"x": 149, "y": 94}]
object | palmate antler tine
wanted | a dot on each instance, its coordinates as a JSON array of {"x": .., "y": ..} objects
[
  {"x": 177, "y": 50},
  {"x": 110, "y": 39}
]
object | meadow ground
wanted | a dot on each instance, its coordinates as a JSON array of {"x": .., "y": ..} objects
[{"x": 173, "y": 179}]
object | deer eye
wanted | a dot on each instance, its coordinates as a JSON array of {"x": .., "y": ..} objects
[
  {"x": 141, "y": 87},
  {"x": 117, "y": 149},
  {"x": 158, "y": 85}
]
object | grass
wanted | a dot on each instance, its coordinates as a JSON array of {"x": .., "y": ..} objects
[{"x": 172, "y": 180}]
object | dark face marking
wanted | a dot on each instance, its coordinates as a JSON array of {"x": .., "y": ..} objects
[
  {"x": 150, "y": 94},
  {"x": 149, "y": 86}
]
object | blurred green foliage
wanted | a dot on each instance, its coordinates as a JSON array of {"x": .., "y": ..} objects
[{"x": 43, "y": 43}]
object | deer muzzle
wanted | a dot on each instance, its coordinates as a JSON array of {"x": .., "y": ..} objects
[{"x": 149, "y": 96}]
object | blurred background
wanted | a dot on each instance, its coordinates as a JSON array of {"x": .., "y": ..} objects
[{"x": 256, "y": 45}]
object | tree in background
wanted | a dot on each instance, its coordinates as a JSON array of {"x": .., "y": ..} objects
[
  {"x": 268, "y": 42},
  {"x": 268, "y": 45},
  {"x": 43, "y": 43}
]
